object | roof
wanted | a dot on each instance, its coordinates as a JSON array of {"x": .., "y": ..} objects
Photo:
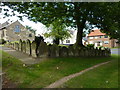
[
  {"x": 96, "y": 33},
  {"x": 6, "y": 24}
]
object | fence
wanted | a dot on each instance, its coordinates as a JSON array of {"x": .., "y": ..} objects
[{"x": 54, "y": 50}]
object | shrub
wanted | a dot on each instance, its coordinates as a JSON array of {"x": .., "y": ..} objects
[
  {"x": 2, "y": 41},
  {"x": 90, "y": 46}
]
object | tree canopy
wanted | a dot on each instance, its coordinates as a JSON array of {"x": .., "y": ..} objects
[
  {"x": 31, "y": 29},
  {"x": 57, "y": 31},
  {"x": 104, "y": 15}
]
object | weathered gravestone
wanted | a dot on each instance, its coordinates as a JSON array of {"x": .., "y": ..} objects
[
  {"x": 71, "y": 51},
  {"x": 24, "y": 46},
  {"x": 28, "y": 47},
  {"x": 20, "y": 45},
  {"x": 63, "y": 51},
  {"x": 81, "y": 52},
  {"x": 33, "y": 47},
  {"x": 16, "y": 46},
  {"x": 77, "y": 52},
  {"x": 54, "y": 51},
  {"x": 49, "y": 50},
  {"x": 43, "y": 49},
  {"x": 86, "y": 52}
]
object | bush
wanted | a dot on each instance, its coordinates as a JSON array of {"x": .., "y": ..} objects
[
  {"x": 90, "y": 46},
  {"x": 2, "y": 41}
]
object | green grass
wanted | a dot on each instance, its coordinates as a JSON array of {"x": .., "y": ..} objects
[
  {"x": 105, "y": 76},
  {"x": 42, "y": 74}
]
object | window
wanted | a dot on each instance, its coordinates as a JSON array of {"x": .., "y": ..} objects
[
  {"x": 106, "y": 42},
  {"x": 96, "y": 37},
  {"x": 90, "y": 37},
  {"x": 91, "y": 42},
  {"x": 100, "y": 36},
  {"x": 105, "y": 36},
  {"x": 30, "y": 35},
  {"x": 67, "y": 41},
  {"x": 17, "y": 28}
]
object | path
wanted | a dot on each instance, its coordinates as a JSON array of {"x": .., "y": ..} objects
[
  {"x": 21, "y": 56},
  {"x": 65, "y": 79}
]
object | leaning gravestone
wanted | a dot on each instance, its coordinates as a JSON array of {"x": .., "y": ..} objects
[
  {"x": 43, "y": 49},
  {"x": 28, "y": 47},
  {"x": 33, "y": 48}
]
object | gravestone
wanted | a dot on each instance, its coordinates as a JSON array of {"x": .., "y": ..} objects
[
  {"x": 63, "y": 51},
  {"x": 43, "y": 49},
  {"x": 54, "y": 50},
  {"x": 28, "y": 47},
  {"x": 71, "y": 51},
  {"x": 24, "y": 46},
  {"x": 33, "y": 48},
  {"x": 20, "y": 45}
]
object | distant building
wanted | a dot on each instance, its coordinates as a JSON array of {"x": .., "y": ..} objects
[
  {"x": 98, "y": 38},
  {"x": 72, "y": 39},
  {"x": 15, "y": 31}
]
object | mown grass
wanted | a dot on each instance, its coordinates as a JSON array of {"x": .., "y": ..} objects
[
  {"x": 105, "y": 76},
  {"x": 42, "y": 74}
]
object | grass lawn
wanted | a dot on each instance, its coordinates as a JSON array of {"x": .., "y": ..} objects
[
  {"x": 105, "y": 76},
  {"x": 42, "y": 74}
]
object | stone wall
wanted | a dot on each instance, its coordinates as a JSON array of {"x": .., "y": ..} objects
[{"x": 54, "y": 50}]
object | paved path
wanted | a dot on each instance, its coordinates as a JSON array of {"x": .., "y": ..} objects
[
  {"x": 115, "y": 51},
  {"x": 65, "y": 79},
  {"x": 21, "y": 56}
]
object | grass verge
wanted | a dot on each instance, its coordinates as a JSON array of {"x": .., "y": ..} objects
[
  {"x": 105, "y": 76},
  {"x": 42, "y": 74}
]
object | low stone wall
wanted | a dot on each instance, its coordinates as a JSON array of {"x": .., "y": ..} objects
[{"x": 54, "y": 50}]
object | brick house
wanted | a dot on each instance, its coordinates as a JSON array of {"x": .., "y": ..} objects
[
  {"x": 15, "y": 31},
  {"x": 98, "y": 38}
]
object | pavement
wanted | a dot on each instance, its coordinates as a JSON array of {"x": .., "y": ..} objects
[
  {"x": 115, "y": 51},
  {"x": 25, "y": 58}
]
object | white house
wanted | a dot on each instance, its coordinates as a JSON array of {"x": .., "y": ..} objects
[{"x": 67, "y": 41}]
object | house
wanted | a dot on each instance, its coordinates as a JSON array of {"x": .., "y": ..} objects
[
  {"x": 98, "y": 38},
  {"x": 15, "y": 31},
  {"x": 72, "y": 39}
]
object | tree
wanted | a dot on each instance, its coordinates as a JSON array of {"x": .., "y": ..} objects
[
  {"x": 30, "y": 29},
  {"x": 57, "y": 31},
  {"x": 74, "y": 14}
]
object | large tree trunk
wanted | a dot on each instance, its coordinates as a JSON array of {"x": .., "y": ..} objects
[{"x": 80, "y": 25}]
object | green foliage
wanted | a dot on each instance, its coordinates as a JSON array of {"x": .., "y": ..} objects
[
  {"x": 57, "y": 30},
  {"x": 30, "y": 29},
  {"x": 90, "y": 46},
  {"x": 2, "y": 41},
  {"x": 104, "y": 15}
]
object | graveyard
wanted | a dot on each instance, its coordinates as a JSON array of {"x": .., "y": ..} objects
[
  {"x": 55, "y": 44},
  {"x": 41, "y": 75}
]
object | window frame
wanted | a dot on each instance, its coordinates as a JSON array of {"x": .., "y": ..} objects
[
  {"x": 106, "y": 41},
  {"x": 67, "y": 41},
  {"x": 17, "y": 29}
]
